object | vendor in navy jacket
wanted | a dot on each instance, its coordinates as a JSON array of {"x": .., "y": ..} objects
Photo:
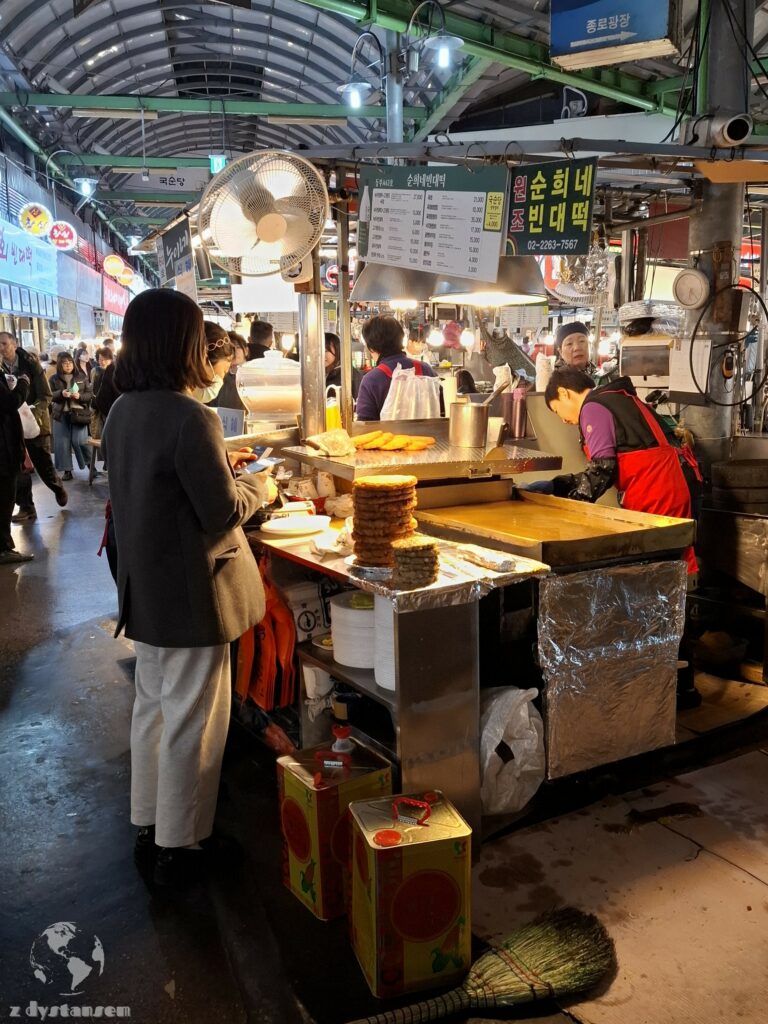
[{"x": 384, "y": 337}]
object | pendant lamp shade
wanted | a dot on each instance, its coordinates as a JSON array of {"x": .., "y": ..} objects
[
  {"x": 519, "y": 284},
  {"x": 377, "y": 283}
]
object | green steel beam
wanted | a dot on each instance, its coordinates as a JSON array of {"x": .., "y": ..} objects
[
  {"x": 136, "y": 219},
  {"x": 34, "y": 147},
  {"x": 505, "y": 48},
  {"x": 259, "y": 108},
  {"x": 115, "y": 160},
  {"x": 171, "y": 198},
  {"x": 450, "y": 95},
  {"x": 667, "y": 85}
]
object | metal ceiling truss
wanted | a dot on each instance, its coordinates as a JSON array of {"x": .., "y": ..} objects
[
  {"x": 503, "y": 47},
  {"x": 172, "y": 133},
  {"x": 215, "y": 107},
  {"x": 466, "y": 76}
]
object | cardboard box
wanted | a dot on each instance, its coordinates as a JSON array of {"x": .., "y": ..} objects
[
  {"x": 316, "y": 786},
  {"x": 410, "y": 920}
]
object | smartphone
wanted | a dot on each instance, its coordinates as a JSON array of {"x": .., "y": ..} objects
[{"x": 262, "y": 464}]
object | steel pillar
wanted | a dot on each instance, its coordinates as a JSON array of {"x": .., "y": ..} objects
[
  {"x": 312, "y": 354},
  {"x": 716, "y": 233},
  {"x": 341, "y": 212},
  {"x": 394, "y": 89}
]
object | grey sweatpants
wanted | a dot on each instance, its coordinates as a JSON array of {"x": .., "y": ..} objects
[{"x": 178, "y": 732}]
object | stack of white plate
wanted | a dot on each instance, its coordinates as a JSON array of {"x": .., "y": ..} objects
[
  {"x": 384, "y": 643},
  {"x": 352, "y": 629}
]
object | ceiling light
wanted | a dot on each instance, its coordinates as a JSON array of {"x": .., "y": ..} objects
[
  {"x": 86, "y": 186},
  {"x": 519, "y": 283},
  {"x": 356, "y": 92},
  {"x": 444, "y": 45},
  {"x": 440, "y": 42}
]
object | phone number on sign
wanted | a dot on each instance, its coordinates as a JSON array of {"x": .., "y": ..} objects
[{"x": 552, "y": 244}]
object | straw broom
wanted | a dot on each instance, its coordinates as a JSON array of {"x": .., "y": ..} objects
[{"x": 559, "y": 954}]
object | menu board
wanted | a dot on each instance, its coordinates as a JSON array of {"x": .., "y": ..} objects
[
  {"x": 445, "y": 220},
  {"x": 550, "y": 208}
]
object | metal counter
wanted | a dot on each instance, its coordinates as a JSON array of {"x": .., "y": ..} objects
[
  {"x": 435, "y": 706},
  {"x": 442, "y": 461}
]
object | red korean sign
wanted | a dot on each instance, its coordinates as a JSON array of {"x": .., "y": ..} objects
[
  {"x": 116, "y": 298},
  {"x": 62, "y": 236}
]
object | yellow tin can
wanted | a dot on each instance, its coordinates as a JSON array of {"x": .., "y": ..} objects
[
  {"x": 316, "y": 786},
  {"x": 410, "y": 920}
]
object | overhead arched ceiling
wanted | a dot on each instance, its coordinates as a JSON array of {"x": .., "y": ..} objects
[{"x": 264, "y": 50}]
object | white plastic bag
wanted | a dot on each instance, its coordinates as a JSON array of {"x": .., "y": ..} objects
[
  {"x": 411, "y": 397},
  {"x": 29, "y": 424},
  {"x": 507, "y": 716}
]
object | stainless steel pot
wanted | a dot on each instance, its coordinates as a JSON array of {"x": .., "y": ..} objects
[{"x": 468, "y": 425}]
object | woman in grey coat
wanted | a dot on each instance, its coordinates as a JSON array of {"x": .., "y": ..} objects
[{"x": 187, "y": 581}]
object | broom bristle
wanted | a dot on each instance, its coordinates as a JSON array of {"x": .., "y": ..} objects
[{"x": 560, "y": 953}]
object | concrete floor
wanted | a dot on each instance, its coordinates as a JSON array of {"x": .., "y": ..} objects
[{"x": 242, "y": 949}]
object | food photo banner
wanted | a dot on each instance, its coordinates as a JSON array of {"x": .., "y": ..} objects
[
  {"x": 550, "y": 208},
  {"x": 443, "y": 220}
]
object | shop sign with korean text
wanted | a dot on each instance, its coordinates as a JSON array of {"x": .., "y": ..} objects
[
  {"x": 443, "y": 220},
  {"x": 180, "y": 179},
  {"x": 116, "y": 298},
  {"x": 550, "y": 208},
  {"x": 173, "y": 246},
  {"x": 589, "y": 33},
  {"x": 27, "y": 261}
]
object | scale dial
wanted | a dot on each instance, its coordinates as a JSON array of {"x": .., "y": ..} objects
[{"x": 691, "y": 288}]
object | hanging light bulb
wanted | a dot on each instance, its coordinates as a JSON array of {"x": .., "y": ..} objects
[
  {"x": 443, "y": 57},
  {"x": 467, "y": 338},
  {"x": 435, "y": 338},
  {"x": 86, "y": 186},
  {"x": 287, "y": 342}
]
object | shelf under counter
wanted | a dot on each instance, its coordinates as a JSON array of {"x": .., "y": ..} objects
[{"x": 360, "y": 679}]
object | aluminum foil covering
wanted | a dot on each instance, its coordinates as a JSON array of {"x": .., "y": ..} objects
[
  {"x": 459, "y": 582},
  {"x": 608, "y": 647}
]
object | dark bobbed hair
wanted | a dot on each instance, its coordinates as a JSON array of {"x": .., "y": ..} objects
[
  {"x": 570, "y": 378},
  {"x": 465, "y": 383},
  {"x": 164, "y": 346},
  {"x": 383, "y": 334},
  {"x": 60, "y": 360},
  {"x": 105, "y": 353},
  {"x": 238, "y": 341},
  {"x": 333, "y": 344},
  {"x": 260, "y": 332}
]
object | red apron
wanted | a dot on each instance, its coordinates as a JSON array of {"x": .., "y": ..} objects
[
  {"x": 652, "y": 480},
  {"x": 387, "y": 371}
]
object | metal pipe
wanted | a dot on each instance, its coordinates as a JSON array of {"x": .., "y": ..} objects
[
  {"x": 341, "y": 214},
  {"x": 627, "y": 269},
  {"x": 762, "y": 334},
  {"x": 663, "y": 218},
  {"x": 394, "y": 89},
  {"x": 480, "y": 151},
  {"x": 715, "y": 235},
  {"x": 312, "y": 349}
]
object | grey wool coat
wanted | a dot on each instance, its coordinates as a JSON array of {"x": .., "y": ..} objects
[{"x": 186, "y": 575}]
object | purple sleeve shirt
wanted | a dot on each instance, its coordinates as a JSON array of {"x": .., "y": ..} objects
[{"x": 598, "y": 429}]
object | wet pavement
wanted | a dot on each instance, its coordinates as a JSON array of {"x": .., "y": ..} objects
[{"x": 239, "y": 948}]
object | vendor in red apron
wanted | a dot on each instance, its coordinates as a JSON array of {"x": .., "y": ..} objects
[
  {"x": 384, "y": 337},
  {"x": 627, "y": 447}
]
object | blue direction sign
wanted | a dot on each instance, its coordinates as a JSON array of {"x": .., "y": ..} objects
[{"x": 582, "y": 25}]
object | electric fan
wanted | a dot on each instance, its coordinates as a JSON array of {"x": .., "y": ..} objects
[{"x": 263, "y": 213}]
